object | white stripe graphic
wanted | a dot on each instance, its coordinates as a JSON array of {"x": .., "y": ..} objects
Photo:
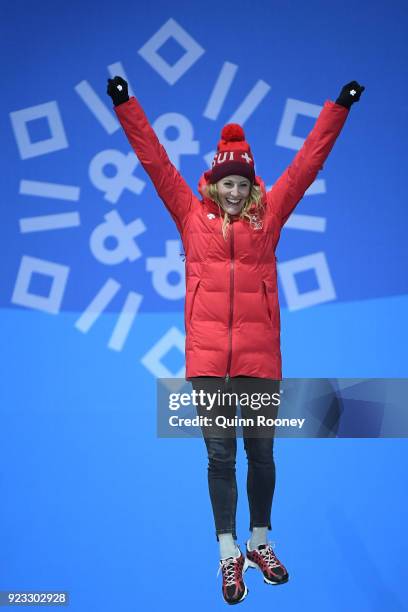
[
  {"x": 317, "y": 187},
  {"x": 107, "y": 120},
  {"x": 125, "y": 320},
  {"x": 45, "y": 223},
  {"x": 220, "y": 91},
  {"x": 308, "y": 223},
  {"x": 98, "y": 305},
  {"x": 250, "y": 103},
  {"x": 49, "y": 190}
]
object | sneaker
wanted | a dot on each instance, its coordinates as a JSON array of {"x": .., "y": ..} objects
[
  {"x": 263, "y": 557},
  {"x": 234, "y": 589}
]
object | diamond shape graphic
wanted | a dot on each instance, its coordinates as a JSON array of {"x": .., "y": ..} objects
[
  {"x": 293, "y": 109},
  {"x": 317, "y": 263},
  {"x": 20, "y": 121},
  {"x": 150, "y": 51},
  {"x": 31, "y": 266},
  {"x": 152, "y": 360}
]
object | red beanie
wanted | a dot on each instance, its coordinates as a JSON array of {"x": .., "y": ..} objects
[{"x": 233, "y": 155}]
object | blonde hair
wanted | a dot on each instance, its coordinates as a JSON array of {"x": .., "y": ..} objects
[{"x": 254, "y": 198}]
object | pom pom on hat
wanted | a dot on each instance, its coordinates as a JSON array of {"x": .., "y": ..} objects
[
  {"x": 232, "y": 132},
  {"x": 232, "y": 139}
]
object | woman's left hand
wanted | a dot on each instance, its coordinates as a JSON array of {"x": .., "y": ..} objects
[
  {"x": 118, "y": 90},
  {"x": 349, "y": 94}
]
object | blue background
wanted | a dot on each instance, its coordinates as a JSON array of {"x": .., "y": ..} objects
[{"x": 92, "y": 502}]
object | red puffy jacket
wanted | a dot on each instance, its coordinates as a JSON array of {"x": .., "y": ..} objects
[{"x": 232, "y": 317}]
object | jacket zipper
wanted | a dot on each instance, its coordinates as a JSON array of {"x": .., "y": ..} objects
[{"x": 231, "y": 309}]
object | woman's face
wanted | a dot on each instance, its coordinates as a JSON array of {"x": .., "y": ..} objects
[{"x": 233, "y": 191}]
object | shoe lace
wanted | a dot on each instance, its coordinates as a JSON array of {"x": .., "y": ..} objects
[
  {"x": 228, "y": 570},
  {"x": 269, "y": 556}
]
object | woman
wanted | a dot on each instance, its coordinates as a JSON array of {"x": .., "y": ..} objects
[{"x": 231, "y": 309}]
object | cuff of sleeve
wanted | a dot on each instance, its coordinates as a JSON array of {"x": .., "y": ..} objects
[
  {"x": 123, "y": 105},
  {"x": 120, "y": 103},
  {"x": 343, "y": 104}
]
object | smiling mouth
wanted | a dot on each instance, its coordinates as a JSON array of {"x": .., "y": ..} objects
[{"x": 233, "y": 201}]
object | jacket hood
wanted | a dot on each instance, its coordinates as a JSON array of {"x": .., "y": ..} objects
[{"x": 203, "y": 182}]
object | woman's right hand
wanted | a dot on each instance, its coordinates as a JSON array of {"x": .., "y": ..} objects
[
  {"x": 118, "y": 90},
  {"x": 350, "y": 94}
]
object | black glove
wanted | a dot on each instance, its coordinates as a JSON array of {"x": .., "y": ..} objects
[
  {"x": 118, "y": 90},
  {"x": 349, "y": 94}
]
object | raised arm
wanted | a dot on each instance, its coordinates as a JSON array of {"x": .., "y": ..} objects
[
  {"x": 297, "y": 178},
  {"x": 168, "y": 182}
]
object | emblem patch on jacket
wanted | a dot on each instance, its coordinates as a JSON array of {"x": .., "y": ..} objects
[{"x": 255, "y": 222}]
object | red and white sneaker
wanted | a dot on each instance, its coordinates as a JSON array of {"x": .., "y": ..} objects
[
  {"x": 234, "y": 589},
  {"x": 263, "y": 558}
]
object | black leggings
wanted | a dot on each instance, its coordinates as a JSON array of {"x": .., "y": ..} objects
[{"x": 222, "y": 446}]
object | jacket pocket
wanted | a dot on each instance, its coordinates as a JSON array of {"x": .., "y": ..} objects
[
  {"x": 270, "y": 294},
  {"x": 191, "y": 294}
]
